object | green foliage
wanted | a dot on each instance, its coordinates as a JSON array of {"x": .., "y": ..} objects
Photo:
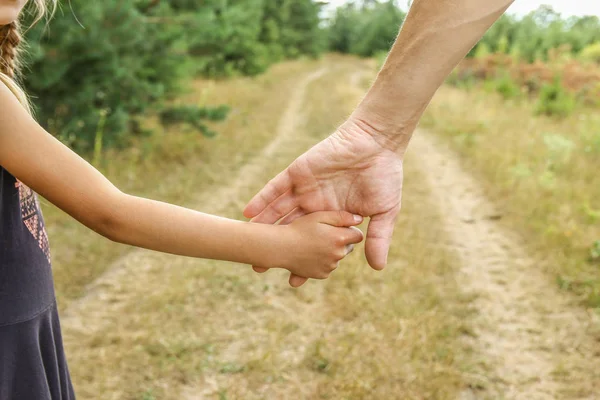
[
  {"x": 554, "y": 100},
  {"x": 367, "y": 29},
  {"x": 591, "y": 53},
  {"x": 101, "y": 68},
  {"x": 591, "y": 214},
  {"x": 246, "y": 36},
  {"x": 99, "y": 139},
  {"x": 380, "y": 56},
  {"x": 595, "y": 251},
  {"x": 368, "y": 26},
  {"x": 225, "y": 40},
  {"x": 148, "y": 395},
  {"x": 232, "y": 368},
  {"x": 506, "y": 87},
  {"x": 462, "y": 79},
  {"x": 194, "y": 116},
  {"x": 482, "y": 51},
  {"x": 533, "y": 36},
  {"x": 109, "y": 72}
]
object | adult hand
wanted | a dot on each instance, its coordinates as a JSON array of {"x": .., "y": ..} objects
[
  {"x": 359, "y": 167},
  {"x": 352, "y": 170}
]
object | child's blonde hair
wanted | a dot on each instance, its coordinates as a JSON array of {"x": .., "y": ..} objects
[{"x": 10, "y": 41}]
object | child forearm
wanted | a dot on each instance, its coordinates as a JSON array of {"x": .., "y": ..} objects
[
  {"x": 310, "y": 247},
  {"x": 171, "y": 229}
]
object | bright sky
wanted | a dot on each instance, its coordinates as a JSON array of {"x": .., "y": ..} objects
[{"x": 522, "y": 7}]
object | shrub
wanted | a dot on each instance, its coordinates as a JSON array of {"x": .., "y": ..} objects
[
  {"x": 554, "y": 100},
  {"x": 194, "y": 116},
  {"x": 506, "y": 86},
  {"x": 591, "y": 53},
  {"x": 595, "y": 251},
  {"x": 126, "y": 59},
  {"x": 246, "y": 36},
  {"x": 366, "y": 30},
  {"x": 109, "y": 71}
]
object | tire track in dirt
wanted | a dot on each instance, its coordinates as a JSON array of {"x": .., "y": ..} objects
[
  {"x": 111, "y": 296},
  {"x": 138, "y": 261},
  {"x": 530, "y": 341},
  {"x": 281, "y": 305}
]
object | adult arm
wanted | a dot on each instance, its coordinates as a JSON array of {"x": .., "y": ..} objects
[
  {"x": 359, "y": 167},
  {"x": 435, "y": 37}
]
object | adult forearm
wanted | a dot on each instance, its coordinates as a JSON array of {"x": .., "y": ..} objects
[{"x": 436, "y": 35}]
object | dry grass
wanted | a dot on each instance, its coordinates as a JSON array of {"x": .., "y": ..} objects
[
  {"x": 177, "y": 328},
  {"x": 542, "y": 171}
]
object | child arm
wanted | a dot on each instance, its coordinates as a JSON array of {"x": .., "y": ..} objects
[{"x": 309, "y": 248}]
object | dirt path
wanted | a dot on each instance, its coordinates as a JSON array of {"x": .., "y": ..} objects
[
  {"x": 260, "y": 339},
  {"x": 229, "y": 191},
  {"x": 112, "y": 295},
  {"x": 530, "y": 341}
]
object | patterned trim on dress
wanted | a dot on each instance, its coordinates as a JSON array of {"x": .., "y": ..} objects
[{"x": 32, "y": 217}]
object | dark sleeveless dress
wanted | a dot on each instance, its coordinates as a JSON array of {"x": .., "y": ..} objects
[{"x": 32, "y": 359}]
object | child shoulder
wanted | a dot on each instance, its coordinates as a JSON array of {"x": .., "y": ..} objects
[
  {"x": 11, "y": 94},
  {"x": 13, "y": 101}
]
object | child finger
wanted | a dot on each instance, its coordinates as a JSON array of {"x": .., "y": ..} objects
[
  {"x": 353, "y": 235},
  {"x": 338, "y": 218},
  {"x": 349, "y": 248}
]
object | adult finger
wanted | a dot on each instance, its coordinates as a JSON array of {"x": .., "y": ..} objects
[
  {"x": 297, "y": 281},
  {"x": 279, "y": 208},
  {"x": 379, "y": 238},
  {"x": 291, "y": 217},
  {"x": 272, "y": 190},
  {"x": 337, "y": 218}
]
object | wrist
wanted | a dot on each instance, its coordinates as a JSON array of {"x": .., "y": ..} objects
[
  {"x": 387, "y": 134},
  {"x": 275, "y": 246}
]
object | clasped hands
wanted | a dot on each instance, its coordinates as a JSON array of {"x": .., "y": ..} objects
[{"x": 353, "y": 170}]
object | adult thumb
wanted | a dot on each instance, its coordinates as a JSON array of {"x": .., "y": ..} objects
[
  {"x": 338, "y": 218},
  {"x": 379, "y": 238}
]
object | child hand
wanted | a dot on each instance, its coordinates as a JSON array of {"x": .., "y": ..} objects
[{"x": 319, "y": 241}]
